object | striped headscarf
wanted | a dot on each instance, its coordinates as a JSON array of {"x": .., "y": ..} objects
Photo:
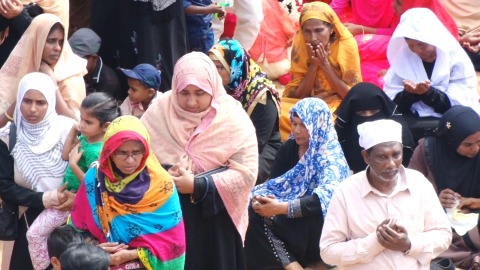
[{"x": 141, "y": 210}]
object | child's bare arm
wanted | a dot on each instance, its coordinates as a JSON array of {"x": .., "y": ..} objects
[
  {"x": 70, "y": 142},
  {"x": 202, "y": 10},
  {"x": 73, "y": 159}
]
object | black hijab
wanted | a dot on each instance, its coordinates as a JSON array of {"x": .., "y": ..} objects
[
  {"x": 366, "y": 96},
  {"x": 449, "y": 168}
]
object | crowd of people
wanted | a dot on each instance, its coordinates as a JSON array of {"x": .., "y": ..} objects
[{"x": 154, "y": 134}]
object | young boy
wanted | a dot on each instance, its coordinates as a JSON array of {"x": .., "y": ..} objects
[
  {"x": 58, "y": 241},
  {"x": 85, "y": 256},
  {"x": 144, "y": 83}
]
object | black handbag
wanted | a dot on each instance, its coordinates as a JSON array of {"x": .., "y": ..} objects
[
  {"x": 442, "y": 264},
  {"x": 8, "y": 210}
]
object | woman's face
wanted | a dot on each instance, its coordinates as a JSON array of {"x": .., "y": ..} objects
[
  {"x": 128, "y": 156},
  {"x": 425, "y": 51},
  {"x": 300, "y": 132},
  {"x": 53, "y": 47},
  {"x": 470, "y": 145},
  {"x": 316, "y": 32},
  {"x": 34, "y": 106},
  {"x": 397, "y": 7},
  {"x": 224, "y": 74},
  {"x": 193, "y": 99}
]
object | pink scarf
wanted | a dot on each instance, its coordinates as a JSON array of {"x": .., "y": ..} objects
[{"x": 221, "y": 135}]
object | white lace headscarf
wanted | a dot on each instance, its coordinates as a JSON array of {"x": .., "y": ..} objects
[{"x": 38, "y": 150}]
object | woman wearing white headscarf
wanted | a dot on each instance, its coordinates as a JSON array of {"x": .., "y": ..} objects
[
  {"x": 429, "y": 71},
  {"x": 38, "y": 165}
]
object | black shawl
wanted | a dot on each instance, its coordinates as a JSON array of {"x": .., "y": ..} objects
[
  {"x": 450, "y": 169},
  {"x": 366, "y": 96}
]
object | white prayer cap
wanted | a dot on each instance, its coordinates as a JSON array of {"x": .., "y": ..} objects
[{"x": 380, "y": 131}]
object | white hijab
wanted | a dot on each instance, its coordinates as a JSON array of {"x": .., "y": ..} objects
[
  {"x": 452, "y": 74},
  {"x": 38, "y": 150}
]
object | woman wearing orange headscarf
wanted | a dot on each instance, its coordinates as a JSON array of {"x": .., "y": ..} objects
[{"x": 325, "y": 61}]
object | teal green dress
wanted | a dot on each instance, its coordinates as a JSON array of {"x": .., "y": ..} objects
[{"x": 91, "y": 153}]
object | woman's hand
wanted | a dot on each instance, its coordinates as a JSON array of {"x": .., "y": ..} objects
[
  {"x": 468, "y": 204},
  {"x": 183, "y": 179},
  {"x": 417, "y": 89},
  {"x": 67, "y": 205},
  {"x": 448, "y": 198},
  {"x": 323, "y": 54},
  {"x": 10, "y": 8},
  {"x": 119, "y": 253},
  {"x": 313, "y": 56},
  {"x": 470, "y": 41},
  {"x": 113, "y": 247},
  {"x": 269, "y": 206}
]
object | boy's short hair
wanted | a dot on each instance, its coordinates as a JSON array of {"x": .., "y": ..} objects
[
  {"x": 85, "y": 256},
  {"x": 147, "y": 74},
  {"x": 60, "y": 238}
]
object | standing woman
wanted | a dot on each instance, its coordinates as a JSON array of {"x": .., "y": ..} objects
[
  {"x": 43, "y": 48},
  {"x": 286, "y": 217},
  {"x": 325, "y": 61},
  {"x": 198, "y": 127},
  {"x": 39, "y": 168},
  {"x": 141, "y": 31},
  {"x": 244, "y": 80}
]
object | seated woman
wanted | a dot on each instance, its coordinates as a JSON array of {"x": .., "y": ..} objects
[
  {"x": 244, "y": 80},
  {"x": 129, "y": 201},
  {"x": 270, "y": 49},
  {"x": 372, "y": 23},
  {"x": 365, "y": 102},
  {"x": 287, "y": 211},
  {"x": 325, "y": 61},
  {"x": 198, "y": 127},
  {"x": 429, "y": 71},
  {"x": 37, "y": 165},
  {"x": 450, "y": 160},
  {"x": 43, "y": 48}
]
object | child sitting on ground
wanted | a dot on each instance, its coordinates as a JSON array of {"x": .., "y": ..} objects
[
  {"x": 144, "y": 83},
  {"x": 96, "y": 113}
]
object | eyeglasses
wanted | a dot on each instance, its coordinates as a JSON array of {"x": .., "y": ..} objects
[{"x": 136, "y": 155}]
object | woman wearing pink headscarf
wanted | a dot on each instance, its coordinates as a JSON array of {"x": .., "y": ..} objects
[{"x": 197, "y": 127}]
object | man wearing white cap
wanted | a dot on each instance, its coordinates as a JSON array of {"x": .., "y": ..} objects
[{"x": 386, "y": 217}]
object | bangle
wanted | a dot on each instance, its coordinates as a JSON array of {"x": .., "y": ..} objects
[
  {"x": 9, "y": 118},
  {"x": 192, "y": 197}
]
